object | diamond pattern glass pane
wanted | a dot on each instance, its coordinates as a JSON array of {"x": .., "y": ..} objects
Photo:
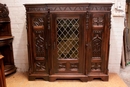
[{"x": 68, "y": 38}]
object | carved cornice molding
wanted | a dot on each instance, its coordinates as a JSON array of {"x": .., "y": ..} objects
[
  {"x": 100, "y": 8},
  {"x": 29, "y": 9},
  {"x": 69, "y": 7}
]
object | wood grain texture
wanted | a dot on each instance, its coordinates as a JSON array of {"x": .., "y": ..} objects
[{"x": 2, "y": 75}]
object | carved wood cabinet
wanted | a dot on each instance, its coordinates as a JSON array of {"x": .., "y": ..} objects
[
  {"x": 68, "y": 41},
  {"x": 6, "y": 40}
]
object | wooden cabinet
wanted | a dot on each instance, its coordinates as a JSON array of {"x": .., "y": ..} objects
[
  {"x": 68, "y": 41},
  {"x": 6, "y": 40},
  {"x": 2, "y": 75}
]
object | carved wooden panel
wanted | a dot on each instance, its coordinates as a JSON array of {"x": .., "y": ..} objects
[
  {"x": 40, "y": 66},
  {"x": 39, "y": 42},
  {"x": 39, "y": 36},
  {"x": 62, "y": 66},
  {"x": 96, "y": 66},
  {"x": 98, "y": 22},
  {"x": 96, "y": 43},
  {"x": 68, "y": 66},
  {"x": 74, "y": 66}
]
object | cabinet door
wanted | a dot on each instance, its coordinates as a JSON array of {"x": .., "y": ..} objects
[
  {"x": 37, "y": 35},
  {"x": 98, "y": 44},
  {"x": 68, "y": 41}
]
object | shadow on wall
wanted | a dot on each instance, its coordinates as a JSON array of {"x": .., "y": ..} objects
[{"x": 20, "y": 48}]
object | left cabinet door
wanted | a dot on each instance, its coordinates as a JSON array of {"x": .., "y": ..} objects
[{"x": 37, "y": 45}]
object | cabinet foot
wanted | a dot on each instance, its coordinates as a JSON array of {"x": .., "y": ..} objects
[
  {"x": 84, "y": 79},
  {"x": 31, "y": 78},
  {"x": 103, "y": 78},
  {"x": 52, "y": 79}
]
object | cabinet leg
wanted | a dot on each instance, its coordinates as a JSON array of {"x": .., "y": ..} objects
[
  {"x": 31, "y": 78},
  {"x": 104, "y": 78},
  {"x": 46, "y": 78},
  {"x": 84, "y": 79},
  {"x": 52, "y": 79}
]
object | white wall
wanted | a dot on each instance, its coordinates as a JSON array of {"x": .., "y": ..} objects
[{"x": 18, "y": 26}]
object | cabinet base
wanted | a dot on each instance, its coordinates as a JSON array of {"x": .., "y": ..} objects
[
  {"x": 52, "y": 78},
  {"x": 9, "y": 69},
  {"x": 82, "y": 78},
  {"x": 32, "y": 77},
  {"x": 103, "y": 77}
]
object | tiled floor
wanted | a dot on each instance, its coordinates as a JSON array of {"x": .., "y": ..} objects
[
  {"x": 125, "y": 75},
  {"x": 20, "y": 80}
]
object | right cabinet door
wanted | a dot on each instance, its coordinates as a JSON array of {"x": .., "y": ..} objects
[{"x": 98, "y": 45}]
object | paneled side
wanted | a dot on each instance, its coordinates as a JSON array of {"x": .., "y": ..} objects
[
  {"x": 38, "y": 44},
  {"x": 99, "y": 45}
]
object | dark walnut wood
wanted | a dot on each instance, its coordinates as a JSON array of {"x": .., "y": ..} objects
[
  {"x": 68, "y": 41},
  {"x": 2, "y": 75},
  {"x": 6, "y": 40}
]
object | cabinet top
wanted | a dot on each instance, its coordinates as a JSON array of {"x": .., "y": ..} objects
[
  {"x": 32, "y": 4},
  {"x": 63, "y": 7}
]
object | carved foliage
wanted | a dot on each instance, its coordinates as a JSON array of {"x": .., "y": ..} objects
[
  {"x": 38, "y": 21},
  {"x": 39, "y": 43},
  {"x": 40, "y": 66},
  {"x": 96, "y": 43},
  {"x": 62, "y": 66},
  {"x": 96, "y": 66},
  {"x": 98, "y": 21},
  {"x": 74, "y": 66},
  {"x": 39, "y": 36},
  {"x": 3, "y": 11}
]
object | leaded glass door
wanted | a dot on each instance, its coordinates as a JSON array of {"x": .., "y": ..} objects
[{"x": 68, "y": 53}]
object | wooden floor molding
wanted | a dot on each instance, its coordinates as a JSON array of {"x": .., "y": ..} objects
[{"x": 21, "y": 80}]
